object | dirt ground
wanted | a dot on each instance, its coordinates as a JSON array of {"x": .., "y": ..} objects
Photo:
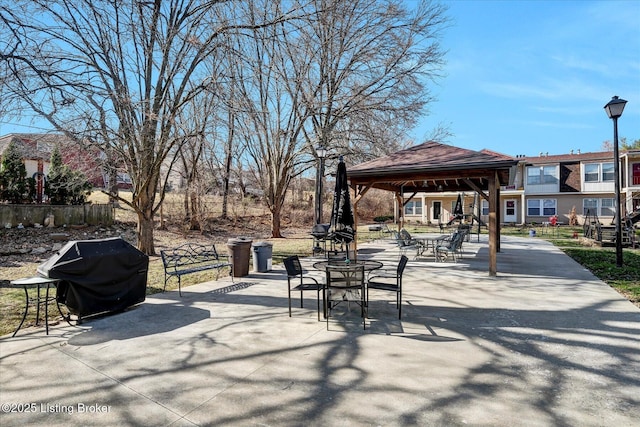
[{"x": 36, "y": 245}]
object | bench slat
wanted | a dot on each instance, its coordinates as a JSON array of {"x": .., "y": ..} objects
[{"x": 191, "y": 258}]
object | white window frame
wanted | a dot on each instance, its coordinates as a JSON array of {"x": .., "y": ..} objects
[
  {"x": 545, "y": 207},
  {"x": 610, "y": 171},
  {"x": 545, "y": 175},
  {"x": 531, "y": 177},
  {"x": 592, "y": 172},
  {"x": 604, "y": 172},
  {"x": 591, "y": 201},
  {"x": 413, "y": 207},
  {"x": 485, "y": 208},
  {"x": 605, "y": 206}
]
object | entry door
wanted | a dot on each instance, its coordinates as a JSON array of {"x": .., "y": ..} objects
[
  {"x": 511, "y": 210},
  {"x": 436, "y": 210}
]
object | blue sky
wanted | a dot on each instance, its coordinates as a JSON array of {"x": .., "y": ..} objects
[{"x": 524, "y": 77}]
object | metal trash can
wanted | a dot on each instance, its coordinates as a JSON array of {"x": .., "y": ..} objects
[
  {"x": 239, "y": 253},
  {"x": 262, "y": 256}
]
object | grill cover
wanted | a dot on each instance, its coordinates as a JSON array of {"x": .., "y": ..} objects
[{"x": 98, "y": 276}]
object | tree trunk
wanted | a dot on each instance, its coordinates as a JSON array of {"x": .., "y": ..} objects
[
  {"x": 275, "y": 221},
  {"x": 187, "y": 210},
  {"x": 144, "y": 233},
  {"x": 195, "y": 216},
  {"x": 113, "y": 187},
  {"x": 225, "y": 197}
]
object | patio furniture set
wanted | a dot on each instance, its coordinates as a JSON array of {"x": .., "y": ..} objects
[
  {"x": 442, "y": 246},
  {"x": 345, "y": 281}
]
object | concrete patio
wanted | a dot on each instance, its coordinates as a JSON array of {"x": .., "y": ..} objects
[{"x": 544, "y": 343}]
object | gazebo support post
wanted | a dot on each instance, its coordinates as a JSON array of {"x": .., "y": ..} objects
[
  {"x": 400, "y": 211},
  {"x": 498, "y": 215},
  {"x": 493, "y": 226}
]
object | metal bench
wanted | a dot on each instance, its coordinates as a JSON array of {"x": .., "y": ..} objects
[{"x": 192, "y": 258}]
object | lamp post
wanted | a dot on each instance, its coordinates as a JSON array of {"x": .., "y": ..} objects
[
  {"x": 321, "y": 152},
  {"x": 319, "y": 232},
  {"x": 614, "y": 110}
]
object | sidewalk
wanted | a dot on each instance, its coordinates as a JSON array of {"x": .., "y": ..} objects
[{"x": 544, "y": 343}]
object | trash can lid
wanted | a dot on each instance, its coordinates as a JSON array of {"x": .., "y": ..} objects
[
  {"x": 262, "y": 244},
  {"x": 240, "y": 241}
]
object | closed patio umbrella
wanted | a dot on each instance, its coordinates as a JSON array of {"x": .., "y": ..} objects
[
  {"x": 342, "y": 221},
  {"x": 457, "y": 210}
]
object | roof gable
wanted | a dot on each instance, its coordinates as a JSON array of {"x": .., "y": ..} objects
[
  {"x": 433, "y": 164},
  {"x": 432, "y": 155}
]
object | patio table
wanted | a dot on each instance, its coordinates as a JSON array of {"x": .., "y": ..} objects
[
  {"x": 38, "y": 282},
  {"x": 427, "y": 241},
  {"x": 369, "y": 264}
]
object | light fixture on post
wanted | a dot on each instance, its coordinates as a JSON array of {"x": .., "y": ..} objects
[{"x": 614, "y": 110}]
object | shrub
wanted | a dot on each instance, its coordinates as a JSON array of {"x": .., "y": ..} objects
[
  {"x": 383, "y": 218},
  {"x": 65, "y": 186},
  {"x": 14, "y": 186}
]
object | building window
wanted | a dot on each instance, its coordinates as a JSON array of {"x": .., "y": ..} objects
[
  {"x": 537, "y": 175},
  {"x": 607, "y": 207},
  {"x": 590, "y": 206},
  {"x": 608, "y": 172},
  {"x": 541, "y": 207},
  {"x": 533, "y": 176},
  {"x": 485, "y": 207},
  {"x": 599, "y": 172},
  {"x": 592, "y": 172},
  {"x": 635, "y": 170},
  {"x": 550, "y": 175},
  {"x": 413, "y": 207},
  {"x": 600, "y": 207}
]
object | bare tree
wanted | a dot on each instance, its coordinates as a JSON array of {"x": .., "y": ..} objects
[
  {"x": 270, "y": 122},
  {"x": 352, "y": 77},
  {"x": 371, "y": 63},
  {"x": 118, "y": 71}
]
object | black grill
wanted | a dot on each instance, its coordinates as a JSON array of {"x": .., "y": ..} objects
[{"x": 98, "y": 276}]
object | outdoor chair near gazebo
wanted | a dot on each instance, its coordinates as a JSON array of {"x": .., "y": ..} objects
[
  {"x": 452, "y": 246},
  {"x": 406, "y": 243},
  {"x": 296, "y": 274},
  {"x": 390, "y": 281},
  {"x": 345, "y": 284}
]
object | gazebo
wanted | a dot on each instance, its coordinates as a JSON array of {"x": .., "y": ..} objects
[{"x": 434, "y": 167}]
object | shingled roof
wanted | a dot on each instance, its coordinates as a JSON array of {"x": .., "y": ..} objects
[
  {"x": 561, "y": 158},
  {"x": 433, "y": 166},
  {"x": 33, "y": 145}
]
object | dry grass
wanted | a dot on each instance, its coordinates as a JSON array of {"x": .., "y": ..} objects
[{"x": 248, "y": 218}]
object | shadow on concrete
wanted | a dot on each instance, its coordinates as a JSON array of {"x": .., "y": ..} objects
[{"x": 140, "y": 320}]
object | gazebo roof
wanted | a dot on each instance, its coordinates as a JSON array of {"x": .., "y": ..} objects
[{"x": 432, "y": 167}]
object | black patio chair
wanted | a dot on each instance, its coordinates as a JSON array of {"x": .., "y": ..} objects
[
  {"x": 295, "y": 273},
  {"x": 345, "y": 283},
  {"x": 406, "y": 243},
  {"x": 452, "y": 246},
  {"x": 389, "y": 281}
]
